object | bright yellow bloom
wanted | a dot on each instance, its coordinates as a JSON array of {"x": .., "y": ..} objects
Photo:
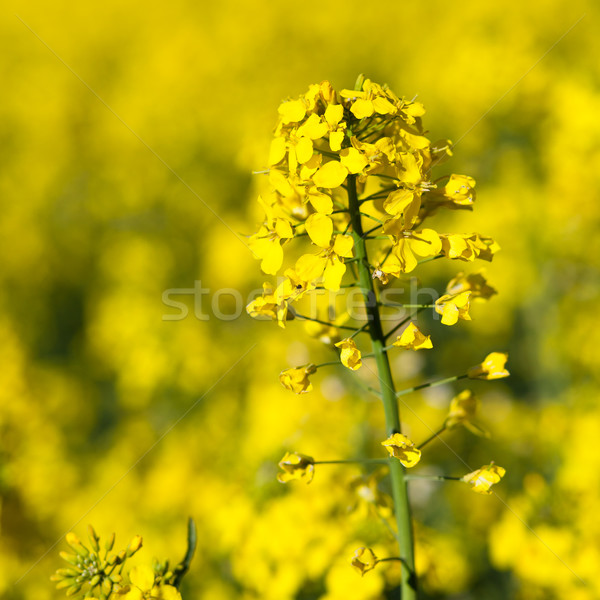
[
  {"x": 468, "y": 247},
  {"x": 453, "y": 308},
  {"x": 328, "y": 263},
  {"x": 266, "y": 243},
  {"x": 492, "y": 367},
  {"x": 364, "y": 560},
  {"x": 350, "y": 354},
  {"x": 408, "y": 248},
  {"x": 463, "y": 409},
  {"x": 143, "y": 588},
  {"x": 296, "y": 380},
  {"x": 400, "y": 447},
  {"x": 413, "y": 339},
  {"x": 296, "y": 466},
  {"x": 274, "y": 304},
  {"x": 460, "y": 190},
  {"x": 483, "y": 479}
]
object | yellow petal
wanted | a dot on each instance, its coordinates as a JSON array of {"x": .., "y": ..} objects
[
  {"x": 304, "y": 150},
  {"x": 362, "y": 108},
  {"x": 353, "y": 160},
  {"x": 321, "y": 202},
  {"x": 310, "y": 267},
  {"x": 332, "y": 277},
  {"x": 292, "y": 111},
  {"x": 320, "y": 229},
  {"x": 142, "y": 577},
  {"x": 330, "y": 175},
  {"x": 334, "y": 114},
  {"x": 426, "y": 242},
  {"x": 383, "y": 106},
  {"x": 335, "y": 140},
  {"x": 343, "y": 245},
  {"x": 278, "y": 150}
]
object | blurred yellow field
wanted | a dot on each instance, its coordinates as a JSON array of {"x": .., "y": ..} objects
[{"x": 135, "y": 390}]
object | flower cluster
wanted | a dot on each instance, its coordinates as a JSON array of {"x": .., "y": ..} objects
[
  {"x": 98, "y": 573},
  {"x": 321, "y": 140},
  {"x": 352, "y": 177}
]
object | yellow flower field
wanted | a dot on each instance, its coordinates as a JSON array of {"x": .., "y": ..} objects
[{"x": 136, "y": 390}]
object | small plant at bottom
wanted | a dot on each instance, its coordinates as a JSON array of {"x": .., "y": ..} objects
[{"x": 98, "y": 572}]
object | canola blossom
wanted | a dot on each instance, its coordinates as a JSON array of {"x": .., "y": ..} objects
[{"x": 353, "y": 192}]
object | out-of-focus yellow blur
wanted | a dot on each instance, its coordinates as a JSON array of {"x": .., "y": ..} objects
[{"x": 128, "y": 134}]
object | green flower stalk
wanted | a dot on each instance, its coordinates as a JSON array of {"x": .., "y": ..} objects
[{"x": 351, "y": 182}]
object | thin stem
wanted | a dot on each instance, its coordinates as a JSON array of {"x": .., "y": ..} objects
[
  {"x": 431, "y": 384},
  {"x": 372, "y": 230},
  {"x": 396, "y": 305},
  {"x": 408, "y": 584},
  {"x": 432, "y": 478},
  {"x": 372, "y": 218},
  {"x": 432, "y": 437},
  {"x": 299, "y": 316},
  {"x": 360, "y": 330},
  {"x": 403, "y": 322},
  {"x": 364, "y": 461},
  {"x": 426, "y": 260},
  {"x": 328, "y": 364}
]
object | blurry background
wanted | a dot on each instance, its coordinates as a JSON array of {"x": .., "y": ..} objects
[{"x": 109, "y": 192}]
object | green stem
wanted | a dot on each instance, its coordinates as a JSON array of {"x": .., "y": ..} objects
[
  {"x": 432, "y": 436},
  {"x": 408, "y": 584},
  {"x": 363, "y": 461},
  {"x": 299, "y": 316},
  {"x": 431, "y": 384},
  {"x": 432, "y": 478}
]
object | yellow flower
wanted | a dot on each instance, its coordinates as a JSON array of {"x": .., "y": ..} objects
[
  {"x": 329, "y": 262},
  {"x": 408, "y": 247},
  {"x": 364, "y": 560},
  {"x": 400, "y": 447},
  {"x": 483, "y": 479},
  {"x": 453, "y": 307},
  {"x": 413, "y": 339},
  {"x": 143, "y": 588},
  {"x": 468, "y": 247},
  {"x": 296, "y": 380},
  {"x": 492, "y": 367},
  {"x": 296, "y": 466},
  {"x": 275, "y": 304},
  {"x": 350, "y": 354},
  {"x": 463, "y": 409},
  {"x": 460, "y": 190}
]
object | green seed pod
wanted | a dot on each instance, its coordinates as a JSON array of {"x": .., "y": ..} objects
[
  {"x": 73, "y": 590},
  {"x": 110, "y": 542},
  {"x": 107, "y": 586},
  {"x": 65, "y": 583},
  {"x": 70, "y": 558},
  {"x": 94, "y": 538}
]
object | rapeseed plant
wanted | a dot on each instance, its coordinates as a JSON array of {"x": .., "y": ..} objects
[{"x": 351, "y": 181}]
